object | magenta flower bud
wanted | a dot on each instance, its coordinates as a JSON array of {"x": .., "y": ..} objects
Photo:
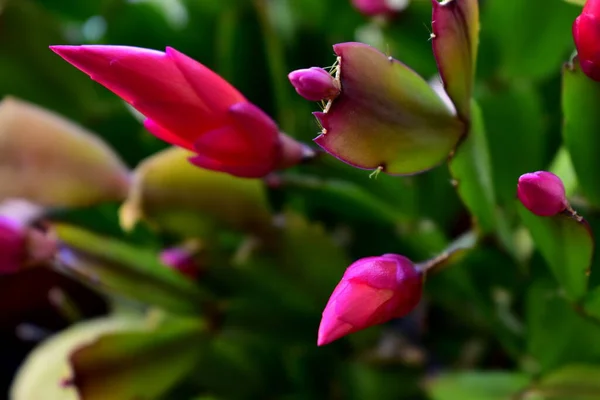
[
  {"x": 586, "y": 34},
  {"x": 314, "y": 84},
  {"x": 188, "y": 105},
  {"x": 542, "y": 193},
  {"x": 372, "y": 291},
  {"x": 13, "y": 245},
  {"x": 182, "y": 260}
]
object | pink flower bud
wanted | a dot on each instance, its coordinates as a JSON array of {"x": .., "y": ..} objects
[
  {"x": 373, "y": 290},
  {"x": 314, "y": 84},
  {"x": 188, "y": 105},
  {"x": 13, "y": 245},
  {"x": 542, "y": 193},
  {"x": 586, "y": 33},
  {"x": 182, "y": 260},
  {"x": 380, "y": 7}
]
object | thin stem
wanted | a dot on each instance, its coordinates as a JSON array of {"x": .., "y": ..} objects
[
  {"x": 277, "y": 67},
  {"x": 463, "y": 242}
]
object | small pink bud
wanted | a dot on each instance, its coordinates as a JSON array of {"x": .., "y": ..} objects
[
  {"x": 13, "y": 245},
  {"x": 372, "y": 291},
  {"x": 314, "y": 84},
  {"x": 181, "y": 259},
  {"x": 542, "y": 193},
  {"x": 586, "y": 34}
]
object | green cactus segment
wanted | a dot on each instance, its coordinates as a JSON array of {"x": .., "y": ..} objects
[
  {"x": 491, "y": 385},
  {"x": 471, "y": 168},
  {"x": 567, "y": 245},
  {"x": 132, "y": 363},
  {"x": 580, "y": 99},
  {"x": 455, "y": 37},
  {"x": 54, "y": 162},
  {"x": 386, "y": 116},
  {"x": 112, "y": 266},
  {"x": 577, "y": 2},
  {"x": 182, "y": 199}
]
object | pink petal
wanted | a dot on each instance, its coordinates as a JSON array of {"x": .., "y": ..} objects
[
  {"x": 262, "y": 131},
  {"x": 166, "y": 135},
  {"x": 248, "y": 146},
  {"x": 240, "y": 170},
  {"x": 352, "y": 307},
  {"x": 359, "y": 305},
  {"x": 147, "y": 79},
  {"x": 331, "y": 328},
  {"x": 378, "y": 272},
  {"x": 213, "y": 91},
  {"x": 228, "y": 144},
  {"x": 229, "y": 150}
]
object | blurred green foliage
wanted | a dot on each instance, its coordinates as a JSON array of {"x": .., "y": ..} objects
[{"x": 494, "y": 325}]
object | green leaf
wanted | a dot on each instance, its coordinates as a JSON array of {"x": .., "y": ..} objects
[
  {"x": 572, "y": 382},
  {"x": 480, "y": 291},
  {"x": 346, "y": 200},
  {"x": 276, "y": 62},
  {"x": 406, "y": 40},
  {"x": 580, "y": 99},
  {"x": 591, "y": 304},
  {"x": 319, "y": 268},
  {"x": 577, "y": 2},
  {"x": 471, "y": 168},
  {"x": 190, "y": 201},
  {"x": 72, "y": 8},
  {"x": 532, "y": 37},
  {"x": 567, "y": 245},
  {"x": 241, "y": 365},
  {"x": 476, "y": 385},
  {"x": 562, "y": 166},
  {"x": 366, "y": 381},
  {"x": 401, "y": 193},
  {"x": 432, "y": 186},
  {"x": 387, "y": 117},
  {"x": 282, "y": 294},
  {"x": 455, "y": 38},
  {"x": 556, "y": 332},
  {"x": 138, "y": 365},
  {"x": 142, "y": 23},
  {"x": 125, "y": 270},
  {"x": 35, "y": 380},
  {"x": 30, "y": 71},
  {"x": 516, "y": 133}
]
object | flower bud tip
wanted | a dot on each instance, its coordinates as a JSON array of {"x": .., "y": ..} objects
[
  {"x": 372, "y": 291},
  {"x": 314, "y": 84},
  {"x": 542, "y": 193}
]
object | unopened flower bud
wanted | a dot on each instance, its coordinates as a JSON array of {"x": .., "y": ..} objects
[
  {"x": 586, "y": 34},
  {"x": 314, "y": 84},
  {"x": 13, "y": 245},
  {"x": 542, "y": 193},
  {"x": 372, "y": 291},
  {"x": 23, "y": 246},
  {"x": 188, "y": 105},
  {"x": 182, "y": 259}
]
